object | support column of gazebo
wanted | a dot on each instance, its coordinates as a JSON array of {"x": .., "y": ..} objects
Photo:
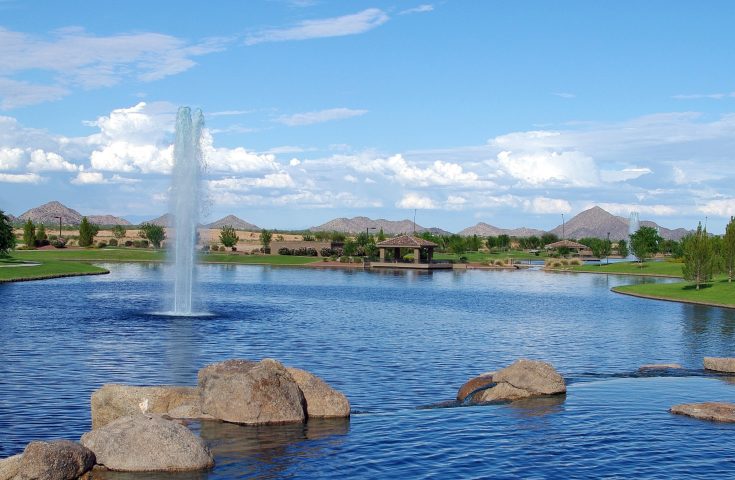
[{"x": 408, "y": 242}]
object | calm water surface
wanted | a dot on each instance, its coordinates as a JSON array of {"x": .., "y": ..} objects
[{"x": 392, "y": 342}]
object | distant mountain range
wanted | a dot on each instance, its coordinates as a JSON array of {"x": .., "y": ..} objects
[
  {"x": 484, "y": 230},
  {"x": 360, "y": 224},
  {"x": 596, "y": 222},
  {"x": 49, "y": 213},
  {"x": 235, "y": 222}
]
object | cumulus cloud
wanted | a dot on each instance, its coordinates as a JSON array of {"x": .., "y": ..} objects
[
  {"x": 321, "y": 116},
  {"x": 414, "y": 200},
  {"x": 544, "y": 205},
  {"x": 278, "y": 180},
  {"x": 624, "y": 209},
  {"x": 33, "y": 178},
  {"x": 97, "y": 178},
  {"x": 541, "y": 168},
  {"x": 723, "y": 207},
  {"x": 322, "y": 28},
  {"x": 49, "y": 161},
  {"x": 11, "y": 158},
  {"x": 624, "y": 174}
]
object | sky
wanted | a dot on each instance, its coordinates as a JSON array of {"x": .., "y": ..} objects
[{"x": 508, "y": 113}]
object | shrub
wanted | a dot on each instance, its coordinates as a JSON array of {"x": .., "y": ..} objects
[
  {"x": 326, "y": 252},
  {"x": 71, "y": 243},
  {"x": 59, "y": 243},
  {"x": 222, "y": 248},
  {"x": 233, "y": 248},
  {"x": 129, "y": 243},
  {"x": 113, "y": 242},
  {"x": 285, "y": 251},
  {"x": 53, "y": 237},
  {"x": 144, "y": 243},
  {"x": 137, "y": 243},
  {"x": 575, "y": 261},
  {"x": 101, "y": 244},
  {"x": 344, "y": 259}
]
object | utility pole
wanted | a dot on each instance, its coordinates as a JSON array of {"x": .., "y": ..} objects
[
  {"x": 563, "y": 236},
  {"x": 414, "y": 222},
  {"x": 59, "y": 217}
]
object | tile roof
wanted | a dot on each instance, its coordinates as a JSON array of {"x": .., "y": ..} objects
[{"x": 406, "y": 241}]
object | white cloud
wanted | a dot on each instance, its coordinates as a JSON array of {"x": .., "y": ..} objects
[
  {"x": 564, "y": 95},
  {"x": 414, "y": 200},
  {"x": 11, "y": 158},
  {"x": 697, "y": 96},
  {"x": 97, "y": 178},
  {"x": 323, "y": 28},
  {"x": 724, "y": 207},
  {"x": 33, "y": 178},
  {"x": 49, "y": 161},
  {"x": 624, "y": 174},
  {"x": 321, "y": 116},
  {"x": 79, "y": 59},
  {"x": 295, "y": 162},
  {"x": 687, "y": 173},
  {"x": 541, "y": 168},
  {"x": 624, "y": 209},
  {"x": 420, "y": 9},
  {"x": 278, "y": 180},
  {"x": 350, "y": 178},
  {"x": 543, "y": 205}
]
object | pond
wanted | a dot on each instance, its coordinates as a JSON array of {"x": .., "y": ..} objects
[{"x": 395, "y": 343}]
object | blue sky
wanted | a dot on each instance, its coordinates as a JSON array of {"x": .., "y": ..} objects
[{"x": 510, "y": 113}]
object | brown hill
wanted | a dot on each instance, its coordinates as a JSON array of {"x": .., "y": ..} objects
[
  {"x": 483, "y": 229},
  {"x": 48, "y": 214},
  {"x": 236, "y": 222},
  {"x": 359, "y": 224},
  {"x": 107, "y": 220},
  {"x": 165, "y": 220},
  {"x": 596, "y": 222}
]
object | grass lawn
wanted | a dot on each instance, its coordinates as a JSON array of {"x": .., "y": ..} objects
[
  {"x": 719, "y": 292},
  {"x": 47, "y": 269},
  {"x": 669, "y": 269}
]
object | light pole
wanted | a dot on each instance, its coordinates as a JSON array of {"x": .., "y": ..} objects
[
  {"x": 59, "y": 217},
  {"x": 563, "y": 236},
  {"x": 607, "y": 249},
  {"x": 367, "y": 241}
]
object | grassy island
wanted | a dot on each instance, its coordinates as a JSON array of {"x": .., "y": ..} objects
[
  {"x": 16, "y": 270},
  {"x": 657, "y": 269},
  {"x": 717, "y": 293}
]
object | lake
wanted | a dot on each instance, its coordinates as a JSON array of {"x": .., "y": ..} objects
[{"x": 396, "y": 343}]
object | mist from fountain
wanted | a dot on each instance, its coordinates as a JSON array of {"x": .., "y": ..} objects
[
  {"x": 634, "y": 224},
  {"x": 185, "y": 203}
]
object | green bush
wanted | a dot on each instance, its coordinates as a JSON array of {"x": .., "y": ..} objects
[
  {"x": 113, "y": 242},
  {"x": 101, "y": 244}
]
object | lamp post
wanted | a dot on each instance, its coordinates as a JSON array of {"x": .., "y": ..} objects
[
  {"x": 563, "y": 236},
  {"x": 59, "y": 217},
  {"x": 607, "y": 250}
]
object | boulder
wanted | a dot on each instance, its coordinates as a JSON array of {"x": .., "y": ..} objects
[
  {"x": 523, "y": 379},
  {"x": 9, "y": 466},
  {"x": 660, "y": 366},
  {"x": 240, "y": 391},
  {"x": 720, "y": 364},
  {"x": 55, "y": 460},
  {"x": 714, "y": 411},
  {"x": 473, "y": 384},
  {"x": 146, "y": 443},
  {"x": 113, "y": 401},
  {"x": 321, "y": 400}
]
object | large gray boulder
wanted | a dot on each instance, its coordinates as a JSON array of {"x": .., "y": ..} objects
[
  {"x": 522, "y": 379},
  {"x": 321, "y": 400},
  {"x": 113, "y": 401},
  {"x": 713, "y": 411},
  {"x": 9, "y": 466},
  {"x": 720, "y": 364},
  {"x": 55, "y": 460},
  {"x": 145, "y": 443},
  {"x": 240, "y": 391}
]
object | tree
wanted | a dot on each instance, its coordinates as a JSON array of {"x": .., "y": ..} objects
[
  {"x": 457, "y": 244},
  {"x": 381, "y": 235},
  {"x": 491, "y": 242},
  {"x": 728, "y": 249},
  {"x": 29, "y": 234},
  {"x": 474, "y": 243},
  {"x": 7, "y": 238},
  {"x": 228, "y": 236},
  {"x": 622, "y": 248},
  {"x": 350, "y": 248},
  {"x": 699, "y": 257},
  {"x": 265, "y": 239},
  {"x": 503, "y": 241},
  {"x": 548, "y": 238},
  {"x": 87, "y": 231},
  {"x": 41, "y": 233},
  {"x": 155, "y": 234},
  {"x": 644, "y": 243},
  {"x": 118, "y": 231}
]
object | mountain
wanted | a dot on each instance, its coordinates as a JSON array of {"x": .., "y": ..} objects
[
  {"x": 360, "y": 224},
  {"x": 48, "y": 213},
  {"x": 11, "y": 218},
  {"x": 484, "y": 230},
  {"x": 235, "y": 222},
  {"x": 596, "y": 222},
  {"x": 107, "y": 220},
  {"x": 165, "y": 220}
]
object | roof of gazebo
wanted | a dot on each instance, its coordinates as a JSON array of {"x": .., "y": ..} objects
[
  {"x": 406, "y": 241},
  {"x": 566, "y": 244}
]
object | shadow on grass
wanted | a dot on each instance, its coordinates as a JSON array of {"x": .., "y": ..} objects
[{"x": 702, "y": 286}]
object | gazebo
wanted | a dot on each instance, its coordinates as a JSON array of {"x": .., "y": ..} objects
[
  {"x": 575, "y": 247},
  {"x": 418, "y": 245}
]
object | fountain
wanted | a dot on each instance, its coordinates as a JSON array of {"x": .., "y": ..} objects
[
  {"x": 633, "y": 225},
  {"x": 185, "y": 193}
]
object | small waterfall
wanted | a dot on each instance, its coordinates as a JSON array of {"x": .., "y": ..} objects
[{"x": 185, "y": 202}]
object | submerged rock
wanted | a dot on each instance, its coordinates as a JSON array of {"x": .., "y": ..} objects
[
  {"x": 113, "y": 401},
  {"x": 147, "y": 442},
  {"x": 713, "y": 411},
  {"x": 55, "y": 460},
  {"x": 9, "y": 466},
  {"x": 720, "y": 364},
  {"x": 659, "y": 366},
  {"x": 473, "y": 384},
  {"x": 321, "y": 400},
  {"x": 241, "y": 391},
  {"x": 522, "y": 379}
]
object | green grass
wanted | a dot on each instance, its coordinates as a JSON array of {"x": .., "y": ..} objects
[
  {"x": 669, "y": 269},
  {"x": 719, "y": 292},
  {"x": 47, "y": 269}
]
